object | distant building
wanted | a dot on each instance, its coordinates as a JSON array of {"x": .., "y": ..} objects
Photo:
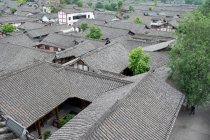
[{"x": 70, "y": 16}]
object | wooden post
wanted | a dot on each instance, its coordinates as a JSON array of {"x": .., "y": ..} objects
[
  {"x": 39, "y": 129},
  {"x": 56, "y": 113}
]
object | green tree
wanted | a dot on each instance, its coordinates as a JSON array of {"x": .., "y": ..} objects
[
  {"x": 21, "y": 1},
  {"x": 131, "y": 9},
  {"x": 99, "y": 5},
  {"x": 12, "y": 10},
  {"x": 138, "y": 61},
  {"x": 95, "y": 33},
  {"x": 90, "y": 3},
  {"x": 150, "y": 8},
  {"x": 83, "y": 26},
  {"x": 155, "y": 2},
  {"x": 119, "y": 4},
  {"x": 190, "y": 58},
  {"x": 8, "y": 28},
  {"x": 138, "y": 20},
  {"x": 79, "y": 3}
]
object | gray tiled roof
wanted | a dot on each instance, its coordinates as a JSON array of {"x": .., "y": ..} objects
[
  {"x": 19, "y": 39},
  {"x": 148, "y": 112},
  {"x": 31, "y": 92},
  {"x": 78, "y": 50},
  {"x": 47, "y": 30},
  {"x": 107, "y": 32},
  {"x": 61, "y": 41},
  {"x": 15, "y": 19},
  {"x": 146, "y": 109},
  {"x": 113, "y": 58},
  {"x": 31, "y": 25},
  {"x": 158, "y": 46},
  {"x": 13, "y": 57}
]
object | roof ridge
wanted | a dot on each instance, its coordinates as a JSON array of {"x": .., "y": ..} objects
[
  {"x": 30, "y": 48},
  {"x": 114, "y": 107},
  {"x": 14, "y": 72},
  {"x": 93, "y": 74}
]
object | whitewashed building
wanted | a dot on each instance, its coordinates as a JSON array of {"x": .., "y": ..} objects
[{"x": 70, "y": 16}]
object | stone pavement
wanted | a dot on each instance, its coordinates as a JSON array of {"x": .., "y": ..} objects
[{"x": 192, "y": 127}]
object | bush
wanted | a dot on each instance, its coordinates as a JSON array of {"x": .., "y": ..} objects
[
  {"x": 79, "y": 3},
  {"x": 138, "y": 20},
  {"x": 21, "y": 1},
  {"x": 64, "y": 120},
  {"x": 8, "y": 28},
  {"x": 139, "y": 61},
  {"x": 131, "y": 9},
  {"x": 99, "y": 5},
  {"x": 90, "y": 4},
  {"x": 83, "y": 26},
  {"x": 47, "y": 134},
  {"x": 150, "y": 8},
  {"x": 126, "y": 17},
  {"x": 95, "y": 33},
  {"x": 12, "y": 10},
  {"x": 111, "y": 6}
]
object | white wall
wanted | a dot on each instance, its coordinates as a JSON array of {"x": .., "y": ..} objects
[{"x": 71, "y": 21}]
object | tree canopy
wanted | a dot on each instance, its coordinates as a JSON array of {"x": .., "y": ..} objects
[
  {"x": 138, "y": 20},
  {"x": 22, "y": 1},
  {"x": 8, "y": 28},
  {"x": 139, "y": 61},
  {"x": 95, "y": 33},
  {"x": 83, "y": 26},
  {"x": 190, "y": 56}
]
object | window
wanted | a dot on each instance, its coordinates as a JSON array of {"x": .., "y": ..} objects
[
  {"x": 79, "y": 17},
  {"x": 69, "y": 18},
  {"x": 88, "y": 16}
]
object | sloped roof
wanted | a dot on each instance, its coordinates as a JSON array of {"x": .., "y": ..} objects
[
  {"x": 158, "y": 46},
  {"x": 47, "y": 30},
  {"x": 78, "y": 50},
  {"x": 31, "y": 25},
  {"x": 15, "y": 19},
  {"x": 75, "y": 9},
  {"x": 61, "y": 41},
  {"x": 19, "y": 39},
  {"x": 148, "y": 112},
  {"x": 31, "y": 92},
  {"x": 13, "y": 57},
  {"x": 146, "y": 109},
  {"x": 113, "y": 58}
]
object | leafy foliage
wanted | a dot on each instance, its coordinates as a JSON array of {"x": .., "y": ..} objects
[
  {"x": 126, "y": 17},
  {"x": 131, "y": 9},
  {"x": 138, "y": 20},
  {"x": 119, "y": 4},
  {"x": 21, "y": 1},
  {"x": 190, "y": 57},
  {"x": 8, "y": 28},
  {"x": 111, "y": 6},
  {"x": 83, "y": 26},
  {"x": 95, "y": 33},
  {"x": 139, "y": 61},
  {"x": 47, "y": 134},
  {"x": 90, "y": 3},
  {"x": 99, "y": 5},
  {"x": 12, "y": 10},
  {"x": 150, "y": 8},
  {"x": 65, "y": 119},
  {"x": 79, "y": 3}
]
